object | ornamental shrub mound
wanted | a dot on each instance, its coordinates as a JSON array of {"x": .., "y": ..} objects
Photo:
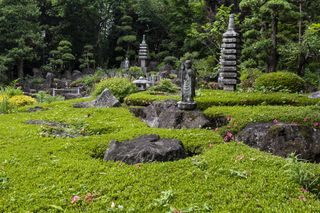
[
  {"x": 120, "y": 87},
  {"x": 22, "y": 100},
  {"x": 280, "y": 82},
  {"x": 165, "y": 85}
]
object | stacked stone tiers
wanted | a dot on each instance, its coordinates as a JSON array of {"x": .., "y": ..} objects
[
  {"x": 143, "y": 54},
  {"x": 143, "y": 51},
  {"x": 229, "y": 57}
]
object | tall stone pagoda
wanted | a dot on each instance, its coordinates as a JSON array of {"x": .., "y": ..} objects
[
  {"x": 143, "y": 54},
  {"x": 229, "y": 57}
]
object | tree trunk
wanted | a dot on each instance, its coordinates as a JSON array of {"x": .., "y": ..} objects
[
  {"x": 20, "y": 68},
  {"x": 273, "y": 61}
]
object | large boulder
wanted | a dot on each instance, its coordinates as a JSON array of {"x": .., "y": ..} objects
[
  {"x": 166, "y": 114},
  {"x": 105, "y": 100},
  {"x": 283, "y": 139},
  {"x": 145, "y": 149}
]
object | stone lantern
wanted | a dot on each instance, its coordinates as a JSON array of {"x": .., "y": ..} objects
[
  {"x": 142, "y": 83},
  {"x": 229, "y": 58}
]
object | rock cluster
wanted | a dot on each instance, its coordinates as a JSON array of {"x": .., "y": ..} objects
[{"x": 166, "y": 114}]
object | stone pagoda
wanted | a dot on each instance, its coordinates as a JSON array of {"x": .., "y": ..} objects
[
  {"x": 143, "y": 54},
  {"x": 229, "y": 57}
]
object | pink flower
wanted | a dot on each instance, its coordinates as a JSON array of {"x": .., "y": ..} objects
[
  {"x": 229, "y": 137},
  {"x": 304, "y": 190},
  {"x": 229, "y": 118},
  {"x": 316, "y": 124},
  {"x": 275, "y": 121},
  {"x": 305, "y": 119},
  {"x": 75, "y": 199}
]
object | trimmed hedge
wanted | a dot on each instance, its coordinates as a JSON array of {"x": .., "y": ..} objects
[
  {"x": 241, "y": 116},
  {"x": 280, "y": 81},
  {"x": 208, "y": 98},
  {"x": 120, "y": 87}
]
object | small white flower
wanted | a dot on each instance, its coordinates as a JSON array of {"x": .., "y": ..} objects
[{"x": 113, "y": 205}]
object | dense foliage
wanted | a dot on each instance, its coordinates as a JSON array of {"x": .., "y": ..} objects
[{"x": 63, "y": 35}]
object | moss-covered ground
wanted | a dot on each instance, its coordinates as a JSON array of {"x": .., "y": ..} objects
[{"x": 43, "y": 174}]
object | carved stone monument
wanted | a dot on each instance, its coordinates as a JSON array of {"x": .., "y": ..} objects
[
  {"x": 188, "y": 87},
  {"x": 126, "y": 64},
  {"x": 229, "y": 57},
  {"x": 143, "y": 54}
]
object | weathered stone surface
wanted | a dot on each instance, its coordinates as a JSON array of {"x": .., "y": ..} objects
[
  {"x": 315, "y": 95},
  {"x": 105, "y": 100},
  {"x": 47, "y": 123},
  {"x": 283, "y": 139},
  {"x": 166, "y": 114},
  {"x": 145, "y": 149},
  {"x": 229, "y": 46},
  {"x": 35, "y": 109}
]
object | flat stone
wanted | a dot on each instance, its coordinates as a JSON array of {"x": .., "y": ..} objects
[
  {"x": 229, "y": 74},
  {"x": 229, "y": 57},
  {"x": 229, "y": 51},
  {"x": 228, "y": 63},
  {"x": 229, "y": 46},
  {"x": 283, "y": 139},
  {"x": 230, "y": 81},
  {"x": 230, "y": 40},
  {"x": 145, "y": 149},
  {"x": 228, "y": 69}
]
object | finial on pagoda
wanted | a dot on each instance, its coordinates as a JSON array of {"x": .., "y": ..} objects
[
  {"x": 144, "y": 39},
  {"x": 231, "y": 25}
]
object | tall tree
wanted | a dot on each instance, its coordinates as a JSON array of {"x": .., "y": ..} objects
[{"x": 20, "y": 34}]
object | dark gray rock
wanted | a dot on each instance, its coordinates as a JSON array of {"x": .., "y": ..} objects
[
  {"x": 105, "y": 100},
  {"x": 283, "y": 139},
  {"x": 315, "y": 95},
  {"x": 166, "y": 114},
  {"x": 145, "y": 149},
  {"x": 47, "y": 123},
  {"x": 35, "y": 109}
]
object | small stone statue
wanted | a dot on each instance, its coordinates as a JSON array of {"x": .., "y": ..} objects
[
  {"x": 188, "y": 86},
  {"x": 126, "y": 64}
]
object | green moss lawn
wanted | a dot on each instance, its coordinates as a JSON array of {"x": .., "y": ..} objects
[{"x": 43, "y": 174}]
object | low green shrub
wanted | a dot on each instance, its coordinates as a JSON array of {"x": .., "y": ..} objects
[
  {"x": 10, "y": 91},
  {"x": 248, "y": 78},
  {"x": 209, "y": 98},
  {"x": 136, "y": 72},
  {"x": 5, "y": 106},
  {"x": 240, "y": 116},
  {"x": 120, "y": 87},
  {"x": 300, "y": 173},
  {"x": 146, "y": 98},
  {"x": 280, "y": 81},
  {"x": 165, "y": 85},
  {"x": 43, "y": 97}
]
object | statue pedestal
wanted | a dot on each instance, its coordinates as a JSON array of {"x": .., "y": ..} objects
[{"x": 187, "y": 105}]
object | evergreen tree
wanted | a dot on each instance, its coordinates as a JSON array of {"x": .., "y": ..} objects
[{"x": 20, "y": 35}]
